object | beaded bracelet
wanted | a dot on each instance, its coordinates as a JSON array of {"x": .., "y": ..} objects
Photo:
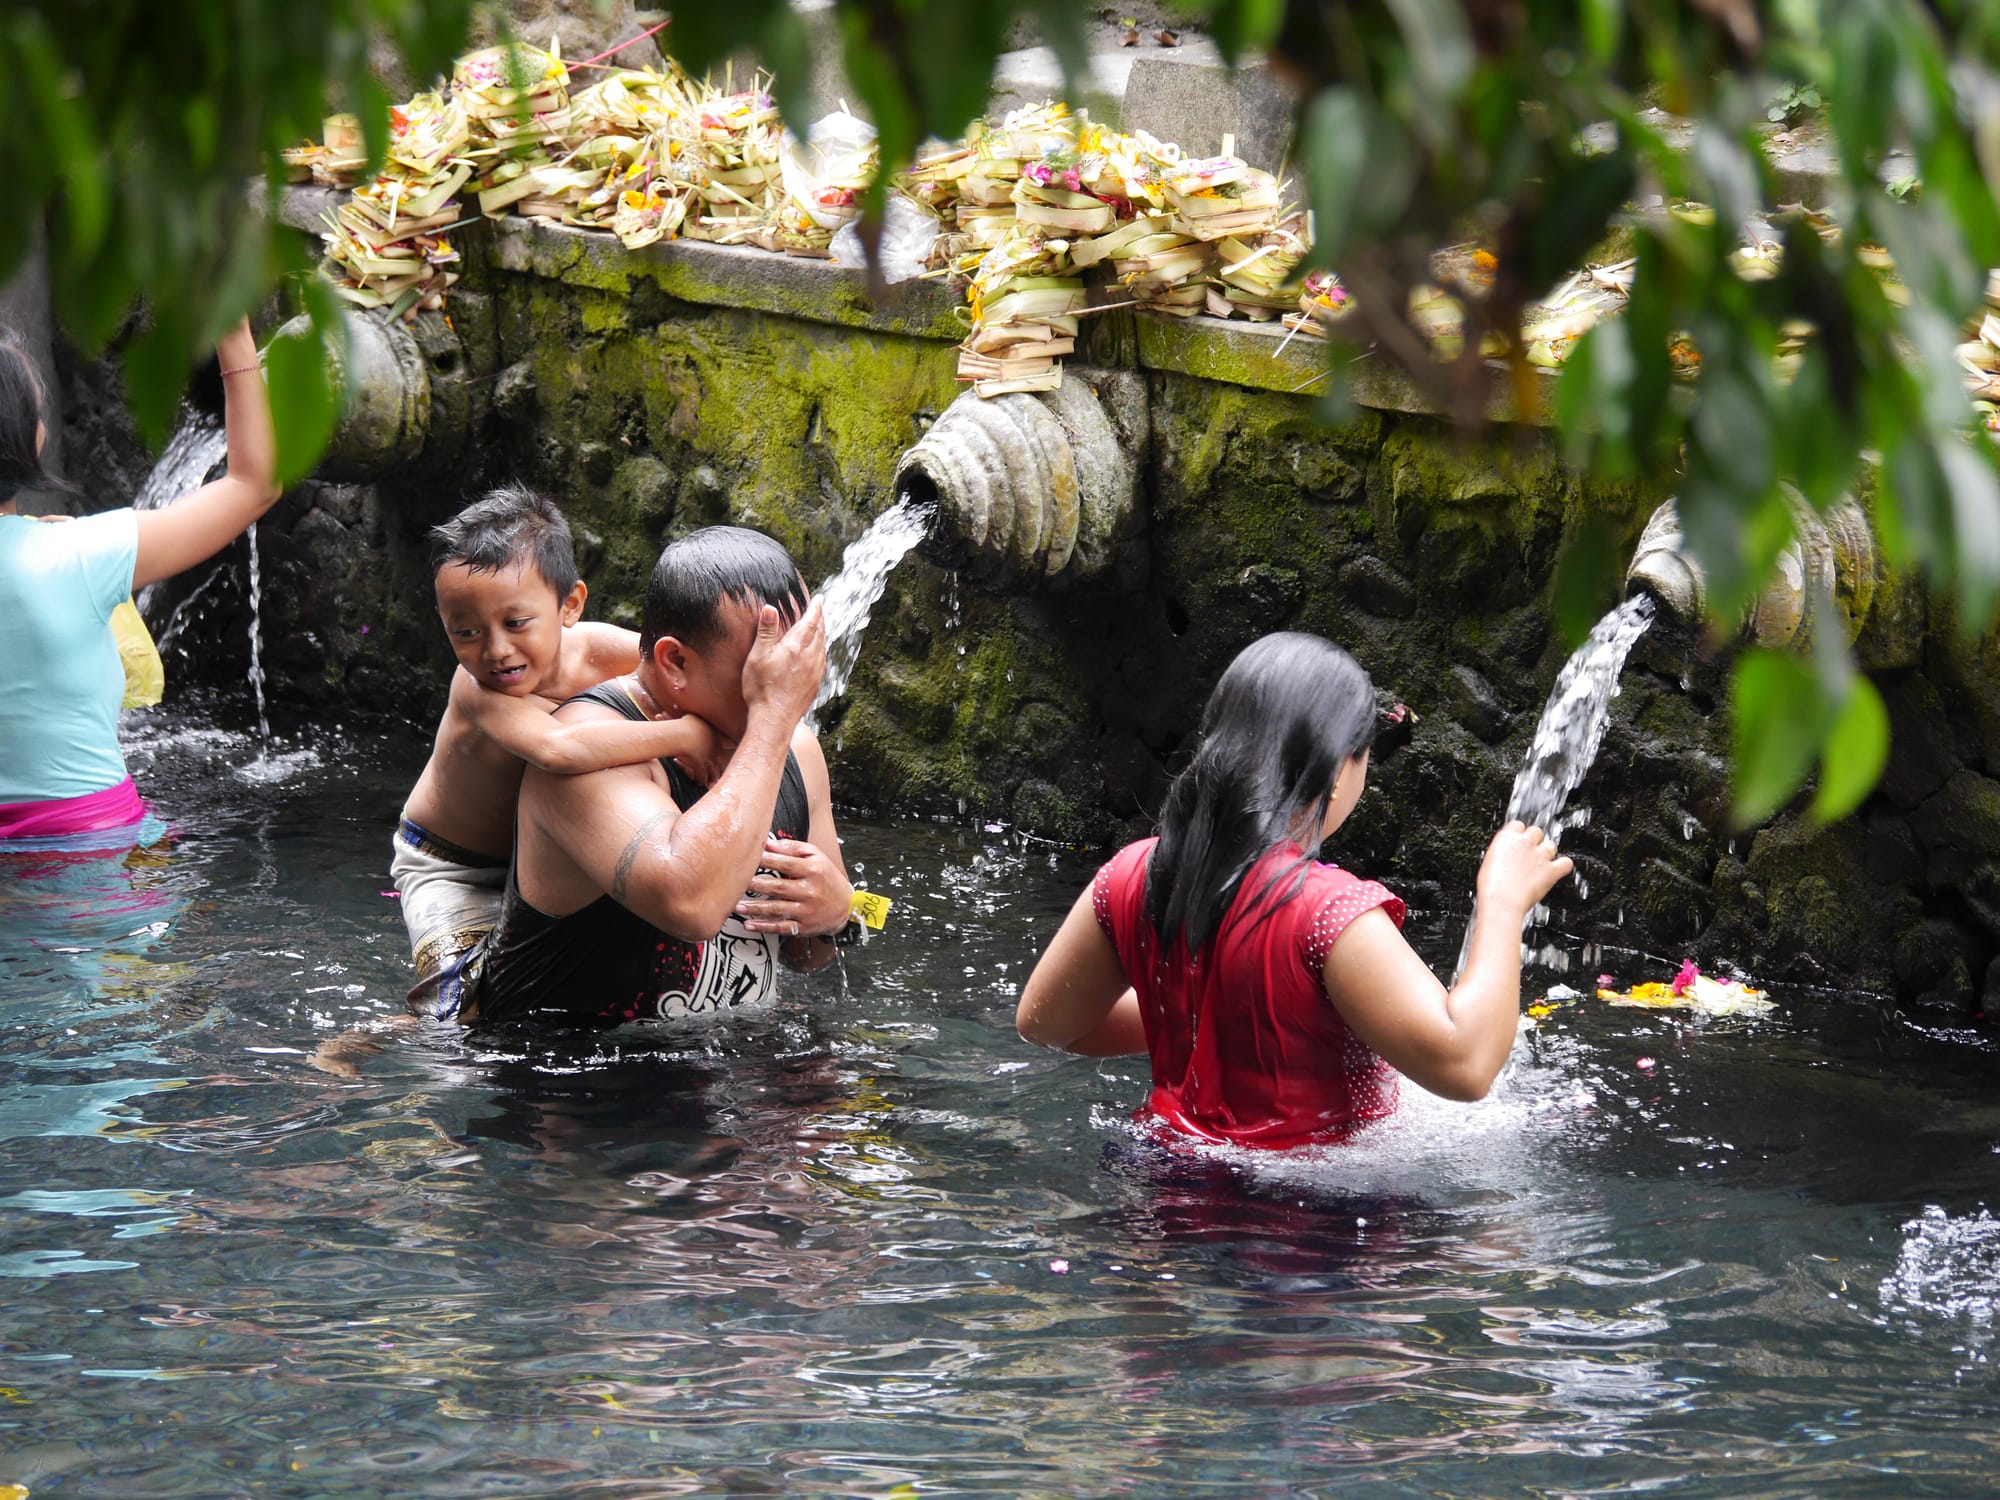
[{"x": 243, "y": 369}]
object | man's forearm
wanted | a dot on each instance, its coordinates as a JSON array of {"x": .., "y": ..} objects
[{"x": 688, "y": 883}]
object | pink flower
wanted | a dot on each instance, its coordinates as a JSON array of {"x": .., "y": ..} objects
[{"x": 1684, "y": 981}]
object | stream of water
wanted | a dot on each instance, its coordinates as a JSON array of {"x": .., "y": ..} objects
[
  {"x": 197, "y": 446},
  {"x": 850, "y": 594},
  {"x": 1571, "y": 729},
  {"x": 871, "y": 1244}
]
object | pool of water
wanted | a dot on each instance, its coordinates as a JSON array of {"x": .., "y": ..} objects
[{"x": 873, "y": 1245}]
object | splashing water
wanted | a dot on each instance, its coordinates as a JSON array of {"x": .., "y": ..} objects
[
  {"x": 851, "y": 593},
  {"x": 178, "y": 620},
  {"x": 1571, "y": 729},
  {"x": 196, "y": 447},
  {"x": 1948, "y": 1270}
]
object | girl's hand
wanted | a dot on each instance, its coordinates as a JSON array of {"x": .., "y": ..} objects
[{"x": 1521, "y": 866}]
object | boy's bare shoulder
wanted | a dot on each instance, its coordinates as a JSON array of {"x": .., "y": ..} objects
[{"x": 611, "y": 645}]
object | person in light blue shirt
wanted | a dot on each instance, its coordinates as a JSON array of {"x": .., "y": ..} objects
[{"x": 61, "y": 677}]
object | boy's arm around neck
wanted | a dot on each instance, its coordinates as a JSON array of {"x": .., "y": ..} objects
[
  {"x": 573, "y": 746},
  {"x": 681, "y": 871},
  {"x": 684, "y": 872}
]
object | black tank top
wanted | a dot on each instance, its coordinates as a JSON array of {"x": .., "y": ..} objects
[{"x": 603, "y": 965}]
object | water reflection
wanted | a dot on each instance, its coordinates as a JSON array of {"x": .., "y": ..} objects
[{"x": 869, "y": 1245}]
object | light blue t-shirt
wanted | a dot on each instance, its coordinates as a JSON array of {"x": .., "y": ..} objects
[{"x": 61, "y": 679}]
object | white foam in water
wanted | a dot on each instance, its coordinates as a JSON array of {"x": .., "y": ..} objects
[
  {"x": 1432, "y": 1148},
  {"x": 1571, "y": 729},
  {"x": 850, "y": 594},
  {"x": 1949, "y": 1269},
  {"x": 271, "y": 767}
]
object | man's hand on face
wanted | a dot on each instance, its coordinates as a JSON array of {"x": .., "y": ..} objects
[
  {"x": 783, "y": 671},
  {"x": 804, "y": 894}
]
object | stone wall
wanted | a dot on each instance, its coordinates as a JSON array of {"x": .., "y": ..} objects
[{"x": 658, "y": 391}]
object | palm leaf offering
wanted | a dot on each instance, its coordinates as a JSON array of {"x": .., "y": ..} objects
[{"x": 1043, "y": 216}]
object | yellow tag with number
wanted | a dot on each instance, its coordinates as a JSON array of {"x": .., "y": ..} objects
[{"x": 873, "y": 910}]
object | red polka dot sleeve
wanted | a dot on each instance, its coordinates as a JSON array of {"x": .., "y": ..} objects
[
  {"x": 1336, "y": 898},
  {"x": 1120, "y": 887}
]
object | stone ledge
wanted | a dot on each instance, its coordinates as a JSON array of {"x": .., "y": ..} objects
[{"x": 1227, "y": 350}]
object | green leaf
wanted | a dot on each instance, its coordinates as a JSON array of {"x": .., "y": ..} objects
[
  {"x": 1593, "y": 405},
  {"x": 1241, "y": 26},
  {"x": 156, "y": 365},
  {"x": 304, "y": 406},
  {"x": 1975, "y": 516},
  {"x": 85, "y": 210},
  {"x": 1587, "y": 572},
  {"x": 370, "y": 103},
  {"x": 1603, "y": 28},
  {"x": 1777, "y": 708},
  {"x": 1855, "y": 751},
  {"x": 1361, "y": 166}
]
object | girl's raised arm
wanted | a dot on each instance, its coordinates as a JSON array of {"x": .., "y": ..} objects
[
  {"x": 1078, "y": 998},
  {"x": 1453, "y": 1041},
  {"x": 201, "y": 524}
]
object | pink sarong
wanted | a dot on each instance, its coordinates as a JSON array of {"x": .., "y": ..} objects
[{"x": 114, "y": 807}]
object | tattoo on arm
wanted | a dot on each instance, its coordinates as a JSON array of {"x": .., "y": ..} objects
[{"x": 640, "y": 835}]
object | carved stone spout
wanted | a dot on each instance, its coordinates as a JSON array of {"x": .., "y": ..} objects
[
  {"x": 408, "y": 405},
  {"x": 1030, "y": 489},
  {"x": 1825, "y": 577}
]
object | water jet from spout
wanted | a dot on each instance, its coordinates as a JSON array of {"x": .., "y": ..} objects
[
  {"x": 850, "y": 594},
  {"x": 1571, "y": 729}
]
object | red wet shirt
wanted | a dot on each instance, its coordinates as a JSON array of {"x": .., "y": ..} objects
[{"x": 1245, "y": 1045}]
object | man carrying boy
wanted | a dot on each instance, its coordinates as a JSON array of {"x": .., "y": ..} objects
[
  {"x": 640, "y": 891},
  {"x": 510, "y": 598}
]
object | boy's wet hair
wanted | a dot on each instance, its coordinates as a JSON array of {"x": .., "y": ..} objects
[
  {"x": 510, "y": 526},
  {"x": 695, "y": 574},
  {"x": 22, "y": 405}
]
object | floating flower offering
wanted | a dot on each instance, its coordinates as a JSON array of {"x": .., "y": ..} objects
[{"x": 1690, "y": 989}]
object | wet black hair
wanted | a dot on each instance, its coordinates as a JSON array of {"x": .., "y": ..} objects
[
  {"x": 1286, "y": 716},
  {"x": 22, "y": 408},
  {"x": 510, "y": 526},
  {"x": 695, "y": 574}
]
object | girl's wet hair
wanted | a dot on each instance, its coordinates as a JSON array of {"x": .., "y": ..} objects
[
  {"x": 512, "y": 525},
  {"x": 695, "y": 574},
  {"x": 1291, "y": 710},
  {"x": 22, "y": 404}
]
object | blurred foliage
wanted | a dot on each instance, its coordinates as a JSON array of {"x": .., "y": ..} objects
[
  {"x": 1532, "y": 125},
  {"x": 134, "y": 131}
]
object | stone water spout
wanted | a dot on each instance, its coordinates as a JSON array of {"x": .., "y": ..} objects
[
  {"x": 1825, "y": 579},
  {"x": 409, "y": 406},
  {"x": 1032, "y": 490}
]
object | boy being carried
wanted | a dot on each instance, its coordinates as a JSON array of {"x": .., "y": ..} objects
[{"x": 510, "y": 598}]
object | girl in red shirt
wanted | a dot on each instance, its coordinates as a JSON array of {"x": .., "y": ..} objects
[{"x": 1276, "y": 995}]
